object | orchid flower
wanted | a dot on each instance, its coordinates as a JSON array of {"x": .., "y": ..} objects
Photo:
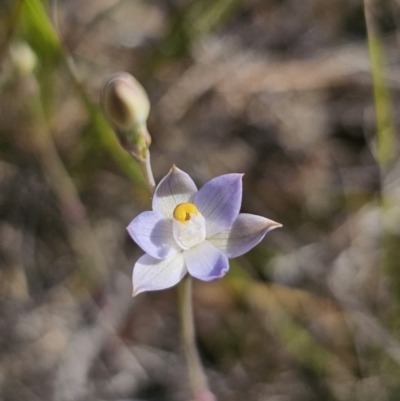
[{"x": 193, "y": 231}]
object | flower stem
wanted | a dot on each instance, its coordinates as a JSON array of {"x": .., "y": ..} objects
[
  {"x": 197, "y": 378},
  {"x": 147, "y": 172}
]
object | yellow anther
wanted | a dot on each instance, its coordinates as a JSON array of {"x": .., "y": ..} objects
[{"x": 183, "y": 211}]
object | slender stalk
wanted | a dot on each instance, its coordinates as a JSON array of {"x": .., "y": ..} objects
[
  {"x": 147, "y": 172},
  {"x": 197, "y": 378}
]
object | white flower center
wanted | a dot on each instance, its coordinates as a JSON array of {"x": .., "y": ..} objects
[{"x": 189, "y": 227}]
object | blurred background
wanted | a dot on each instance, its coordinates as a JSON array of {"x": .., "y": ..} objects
[{"x": 280, "y": 90}]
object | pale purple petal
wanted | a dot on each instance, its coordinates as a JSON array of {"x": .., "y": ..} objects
[
  {"x": 206, "y": 262},
  {"x": 175, "y": 188},
  {"x": 246, "y": 232},
  {"x": 219, "y": 202},
  {"x": 152, "y": 231},
  {"x": 151, "y": 274}
]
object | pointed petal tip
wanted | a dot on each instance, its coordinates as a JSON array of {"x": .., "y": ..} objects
[
  {"x": 238, "y": 177},
  {"x": 129, "y": 225},
  {"x": 271, "y": 225},
  {"x": 274, "y": 224},
  {"x": 136, "y": 291}
]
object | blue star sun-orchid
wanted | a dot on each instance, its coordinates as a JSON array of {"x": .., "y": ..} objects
[{"x": 193, "y": 231}]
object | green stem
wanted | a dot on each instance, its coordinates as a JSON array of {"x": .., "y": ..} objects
[
  {"x": 197, "y": 378},
  {"x": 147, "y": 172}
]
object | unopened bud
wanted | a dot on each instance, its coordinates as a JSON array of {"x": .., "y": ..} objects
[
  {"x": 127, "y": 106},
  {"x": 125, "y": 101}
]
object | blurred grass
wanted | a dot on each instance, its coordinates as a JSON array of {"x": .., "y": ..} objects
[
  {"x": 187, "y": 26},
  {"x": 383, "y": 105},
  {"x": 387, "y": 152}
]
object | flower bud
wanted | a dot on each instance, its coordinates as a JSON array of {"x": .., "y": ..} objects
[
  {"x": 125, "y": 101},
  {"x": 127, "y": 106}
]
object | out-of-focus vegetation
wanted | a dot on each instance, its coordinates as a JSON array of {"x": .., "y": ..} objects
[{"x": 279, "y": 90}]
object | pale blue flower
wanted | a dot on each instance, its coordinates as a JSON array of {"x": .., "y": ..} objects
[{"x": 193, "y": 231}]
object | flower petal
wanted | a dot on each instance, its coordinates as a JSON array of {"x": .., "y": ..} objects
[
  {"x": 219, "y": 202},
  {"x": 206, "y": 262},
  {"x": 246, "y": 232},
  {"x": 152, "y": 231},
  {"x": 175, "y": 188},
  {"x": 151, "y": 274}
]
